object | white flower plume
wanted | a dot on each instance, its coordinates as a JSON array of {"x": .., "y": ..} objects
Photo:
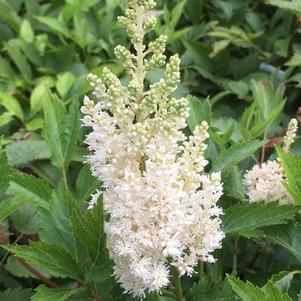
[
  {"x": 161, "y": 205},
  {"x": 265, "y": 182}
]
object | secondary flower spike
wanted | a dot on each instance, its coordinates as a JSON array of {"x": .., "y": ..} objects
[
  {"x": 162, "y": 207},
  {"x": 265, "y": 182}
]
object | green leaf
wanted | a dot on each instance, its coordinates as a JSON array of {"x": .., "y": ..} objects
[
  {"x": 266, "y": 97},
  {"x": 5, "y": 118},
  {"x": 260, "y": 127},
  {"x": 283, "y": 280},
  {"x": 295, "y": 60},
  {"x": 64, "y": 83},
  {"x": 34, "y": 189},
  {"x": 86, "y": 184},
  {"x": 70, "y": 131},
  {"x": 55, "y": 25},
  {"x": 71, "y": 9},
  {"x": 26, "y": 31},
  {"x": 61, "y": 130},
  {"x": 235, "y": 154},
  {"x": 90, "y": 239},
  {"x": 11, "y": 104},
  {"x": 175, "y": 17},
  {"x": 24, "y": 220},
  {"x": 287, "y": 236},
  {"x": 44, "y": 293},
  {"x": 31, "y": 53},
  {"x": 199, "y": 111},
  {"x": 272, "y": 293},
  {"x": 4, "y": 174},
  {"x": 9, "y": 16},
  {"x": 39, "y": 95},
  {"x": 25, "y": 151},
  {"x": 54, "y": 114},
  {"x": 233, "y": 184},
  {"x": 293, "y": 6},
  {"x": 292, "y": 167},
  {"x": 238, "y": 88},
  {"x": 208, "y": 290},
  {"x": 34, "y": 125},
  {"x": 249, "y": 292},
  {"x": 13, "y": 49},
  {"x": 16, "y": 294},
  {"x": 55, "y": 260},
  {"x": 218, "y": 47},
  {"x": 200, "y": 56},
  {"x": 55, "y": 221},
  {"x": 46, "y": 171},
  {"x": 7, "y": 207},
  {"x": 17, "y": 269},
  {"x": 250, "y": 216}
]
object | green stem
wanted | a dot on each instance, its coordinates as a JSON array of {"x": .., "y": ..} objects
[
  {"x": 7, "y": 253},
  {"x": 201, "y": 270},
  {"x": 40, "y": 276},
  {"x": 65, "y": 178},
  {"x": 157, "y": 296},
  {"x": 177, "y": 284},
  {"x": 262, "y": 157},
  {"x": 235, "y": 253},
  {"x": 218, "y": 266},
  {"x": 140, "y": 72}
]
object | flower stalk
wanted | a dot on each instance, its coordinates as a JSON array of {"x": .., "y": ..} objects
[{"x": 177, "y": 284}]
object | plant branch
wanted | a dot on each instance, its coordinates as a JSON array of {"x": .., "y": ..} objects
[
  {"x": 37, "y": 273},
  {"x": 7, "y": 253},
  {"x": 262, "y": 157}
]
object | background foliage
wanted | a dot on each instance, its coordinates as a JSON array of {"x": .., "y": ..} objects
[{"x": 241, "y": 61}]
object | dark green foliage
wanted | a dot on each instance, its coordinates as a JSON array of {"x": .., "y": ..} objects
[
  {"x": 241, "y": 61},
  {"x": 207, "y": 290},
  {"x": 246, "y": 217},
  {"x": 292, "y": 166},
  {"x": 248, "y": 292},
  {"x": 4, "y": 176}
]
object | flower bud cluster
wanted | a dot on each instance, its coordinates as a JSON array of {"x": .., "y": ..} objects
[
  {"x": 149, "y": 23},
  {"x": 157, "y": 48},
  {"x": 146, "y": 4},
  {"x": 162, "y": 207},
  {"x": 125, "y": 57},
  {"x": 290, "y": 136},
  {"x": 128, "y": 22}
]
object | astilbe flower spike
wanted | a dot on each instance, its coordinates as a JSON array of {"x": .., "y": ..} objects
[
  {"x": 161, "y": 206},
  {"x": 265, "y": 182}
]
